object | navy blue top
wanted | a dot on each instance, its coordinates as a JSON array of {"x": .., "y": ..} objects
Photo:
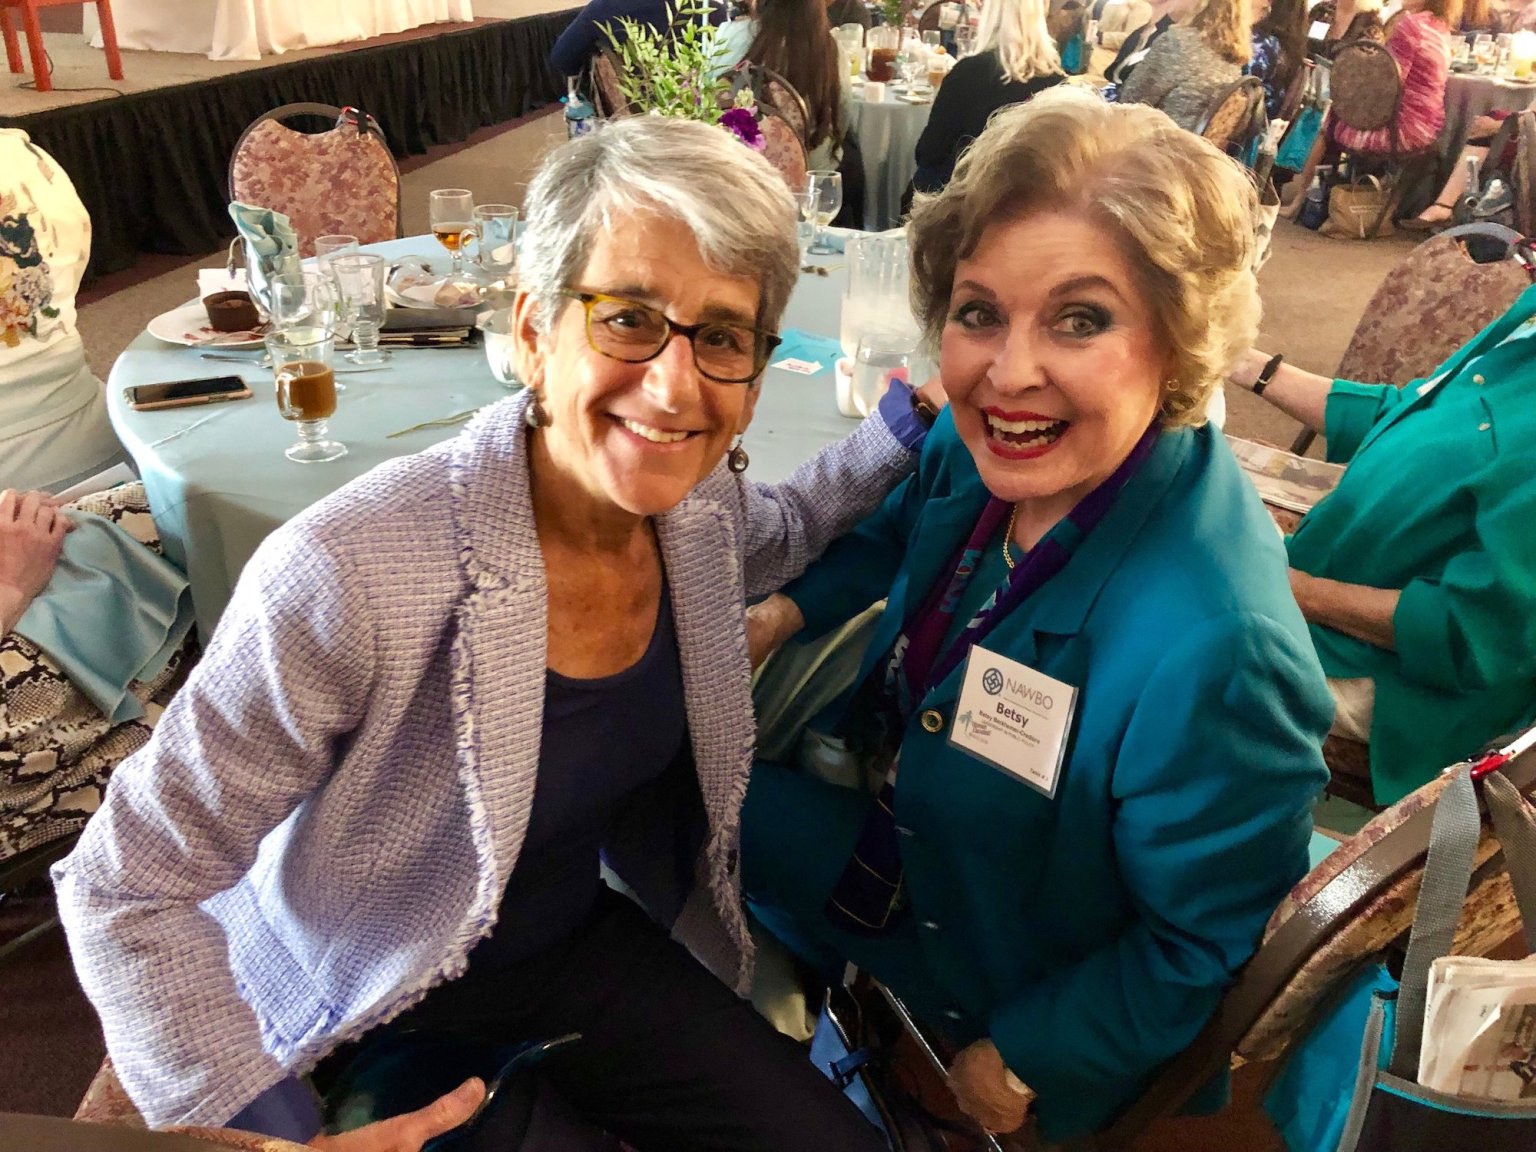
[
  {"x": 603, "y": 739},
  {"x": 584, "y": 35}
]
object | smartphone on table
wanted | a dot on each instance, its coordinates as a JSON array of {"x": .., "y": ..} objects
[{"x": 185, "y": 393}]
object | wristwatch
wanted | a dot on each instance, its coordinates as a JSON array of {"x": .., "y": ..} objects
[
  {"x": 927, "y": 411},
  {"x": 1267, "y": 373}
]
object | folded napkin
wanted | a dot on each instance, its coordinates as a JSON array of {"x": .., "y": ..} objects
[
  {"x": 271, "y": 245},
  {"x": 113, "y": 613}
]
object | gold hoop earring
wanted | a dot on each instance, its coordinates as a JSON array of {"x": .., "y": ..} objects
[
  {"x": 534, "y": 415},
  {"x": 737, "y": 459}
]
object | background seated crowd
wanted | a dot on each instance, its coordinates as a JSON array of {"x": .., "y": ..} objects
[{"x": 469, "y": 761}]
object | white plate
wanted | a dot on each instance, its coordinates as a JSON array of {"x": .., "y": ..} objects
[{"x": 189, "y": 325}]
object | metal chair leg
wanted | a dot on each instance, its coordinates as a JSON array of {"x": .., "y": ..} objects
[{"x": 31, "y": 934}]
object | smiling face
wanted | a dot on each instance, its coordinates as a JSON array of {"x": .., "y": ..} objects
[
  {"x": 638, "y": 436},
  {"x": 1052, "y": 359}
]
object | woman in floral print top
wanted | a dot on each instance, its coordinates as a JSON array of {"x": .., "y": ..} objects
[{"x": 53, "y": 415}]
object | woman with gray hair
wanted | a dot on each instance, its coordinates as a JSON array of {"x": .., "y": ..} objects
[
  {"x": 1090, "y": 707},
  {"x": 442, "y": 695}
]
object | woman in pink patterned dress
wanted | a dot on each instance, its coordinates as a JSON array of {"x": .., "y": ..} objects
[{"x": 1420, "y": 42}]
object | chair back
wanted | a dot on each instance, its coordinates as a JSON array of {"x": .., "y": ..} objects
[
  {"x": 106, "y": 1102},
  {"x": 1358, "y": 902},
  {"x": 1431, "y": 304},
  {"x": 1296, "y": 91},
  {"x": 1234, "y": 116},
  {"x": 929, "y": 20},
  {"x": 341, "y": 180},
  {"x": 1365, "y": 86},
  {"x": 1524, "y": 173},
  {"x": 773, "y": 93},
  {"x": 783, "y": 148},
  {"x": 607, "y": 92}
]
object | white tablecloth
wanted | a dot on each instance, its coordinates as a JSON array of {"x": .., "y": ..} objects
[
  {"x": 887, "y": 133},
  {"x": 251, "y": 29}
]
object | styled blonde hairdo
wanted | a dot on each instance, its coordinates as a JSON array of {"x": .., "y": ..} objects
[
  {"x": 1226, "y": 27},
  {"x": 1185, "y": 215},
  {"x": 1016, "y": 30}
]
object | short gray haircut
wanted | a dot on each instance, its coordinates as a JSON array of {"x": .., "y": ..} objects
[{"x": 734, "y": 203}]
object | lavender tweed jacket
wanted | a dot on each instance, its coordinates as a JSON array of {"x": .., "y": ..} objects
[{"x": 326, "y": 817}]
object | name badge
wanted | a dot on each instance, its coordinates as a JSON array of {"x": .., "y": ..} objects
[
  {"x": 1015, "y": 718},
  {"x": 1319, "y": 30}
]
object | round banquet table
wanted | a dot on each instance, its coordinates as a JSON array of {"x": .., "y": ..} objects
[
  {"x": 218, "y": 481},
  {"x": 887, "y": 132},
  {"x": 1469, "y": 95}
]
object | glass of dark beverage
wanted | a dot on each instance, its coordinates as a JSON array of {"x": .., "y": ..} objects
[
  {"x": 451, "y": 211},
  {"x": 306, "y": 390}
]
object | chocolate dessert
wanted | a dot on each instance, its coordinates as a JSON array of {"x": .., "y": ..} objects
[{"x": 231, "y": 312}]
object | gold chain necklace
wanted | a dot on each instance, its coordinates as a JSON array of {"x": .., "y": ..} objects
[{"x": 1007, "y": 536}]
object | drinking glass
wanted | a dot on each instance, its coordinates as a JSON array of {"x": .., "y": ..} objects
[
  {"x": 306, "y": 389},
  {"x": 826, "y": 189},
  {"x": 931, "y": 39},
  {"x": 805, "y": 227},
  {"x": 360, "y": 285},
  {"x": 327, "y": 246},
  {"x": 495, "y": 227},
  {"x": 880, "y": 356},
  {"x": 965, "y": 40},
  {"x": 302, "y": 299},
  {"x": 913, "y": 69},
  {"x": 451, "y": 211},
  {"x": 1484, "y": 52}
]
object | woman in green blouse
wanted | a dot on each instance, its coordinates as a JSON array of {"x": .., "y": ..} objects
[{"x": 1417, "y": 575}]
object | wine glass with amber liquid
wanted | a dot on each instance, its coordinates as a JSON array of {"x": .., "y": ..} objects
[{"x": 452, "y": 214}]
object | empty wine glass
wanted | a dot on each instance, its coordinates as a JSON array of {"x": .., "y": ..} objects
[
  {"x": 302, "y": 299},
  {"x": 451, "y": 211},
  {"x": 826, "y": 189},
  {"x": 360, "y": 284}
]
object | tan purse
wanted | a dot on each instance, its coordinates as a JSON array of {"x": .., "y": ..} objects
[{"x": 1353, "y": 208}]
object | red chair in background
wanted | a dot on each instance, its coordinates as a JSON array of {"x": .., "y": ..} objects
[{"x": 33, "y": 27}]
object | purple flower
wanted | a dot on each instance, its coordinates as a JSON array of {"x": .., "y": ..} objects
[{"x": 740, "y": 123}]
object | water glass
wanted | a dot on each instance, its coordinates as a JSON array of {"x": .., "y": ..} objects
[
  {"x": 496, "y": 238},
  {"x": 302, "y": 299},
  {"x": 965, "y": 40},
  {"x": 327, "y": 246},
  {"x": 880, "y": 356},
  {"x": 306, "y": 390},
  {"x": 826, "y": 189},
  {"x": 931, "y": 40},
  {"x": 451, "y": 211},
  {"x": 805, "y": 222},
  {"x": 1484, "y": 52},
  {"x": 360, "y": 285}
]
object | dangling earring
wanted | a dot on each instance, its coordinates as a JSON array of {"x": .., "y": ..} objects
[
  {"x": 737, "y": 459},
  {"x": 534, "y": 415}
]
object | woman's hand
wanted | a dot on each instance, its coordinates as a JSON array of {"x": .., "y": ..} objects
[
  {"x": 933, "y": 392},
  {"x": 32, "y": 533},
  {"x": 409, "y": 1132},
  {"x": 769, "y": 623},
  {"x": 986, "y": 1091}
]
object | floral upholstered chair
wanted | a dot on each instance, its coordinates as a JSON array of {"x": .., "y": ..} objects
[
  {"x": 783, "y": 149},
  {"x": 1431, "y": 304},
  {"x": 342, "y": 180},
  {"x": 1355, "y": 905}
]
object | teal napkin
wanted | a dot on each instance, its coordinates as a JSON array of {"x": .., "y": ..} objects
[
  {"x": 798, "y": 344},
  {"x": 271, "y": 245},
  {"x": 113, "y": 613}
]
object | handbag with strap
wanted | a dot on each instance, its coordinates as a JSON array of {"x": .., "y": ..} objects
[
  {"x": 1354, "y": 207},
  {"x": 1350, "y": 1085}
]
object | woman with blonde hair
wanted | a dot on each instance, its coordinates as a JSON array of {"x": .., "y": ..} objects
[
  {"x": 1191, "y": 64},
  {"x": 1090, "y": 704},
  {"x": 1015, "y": 61}
]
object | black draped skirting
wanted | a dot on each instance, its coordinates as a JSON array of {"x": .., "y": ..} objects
[{"x": 152, "y": 167}]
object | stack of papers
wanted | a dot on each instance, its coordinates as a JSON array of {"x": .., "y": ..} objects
[
  {"x": 1283, "y": 478},
  {"x": 1480, "y": 1028}
]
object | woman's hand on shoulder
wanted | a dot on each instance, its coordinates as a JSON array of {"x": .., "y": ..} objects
[
  {"x": 933, "y": 392},
  {"x": 409, "y": 1132},
  {"x": 32, "y": 531},
  {"x": 770, "y": 622},
  {"x": 986, "y": 1091}
]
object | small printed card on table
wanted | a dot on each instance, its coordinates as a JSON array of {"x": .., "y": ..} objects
[{"x": 805, "y": 353}]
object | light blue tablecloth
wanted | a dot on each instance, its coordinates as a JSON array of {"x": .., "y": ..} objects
[
  {"x": 887, "y": 133},
  {"x": 218, "y": 481}
]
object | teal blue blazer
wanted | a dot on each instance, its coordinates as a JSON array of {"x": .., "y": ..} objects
[{"x": 1090, "y": 935}]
